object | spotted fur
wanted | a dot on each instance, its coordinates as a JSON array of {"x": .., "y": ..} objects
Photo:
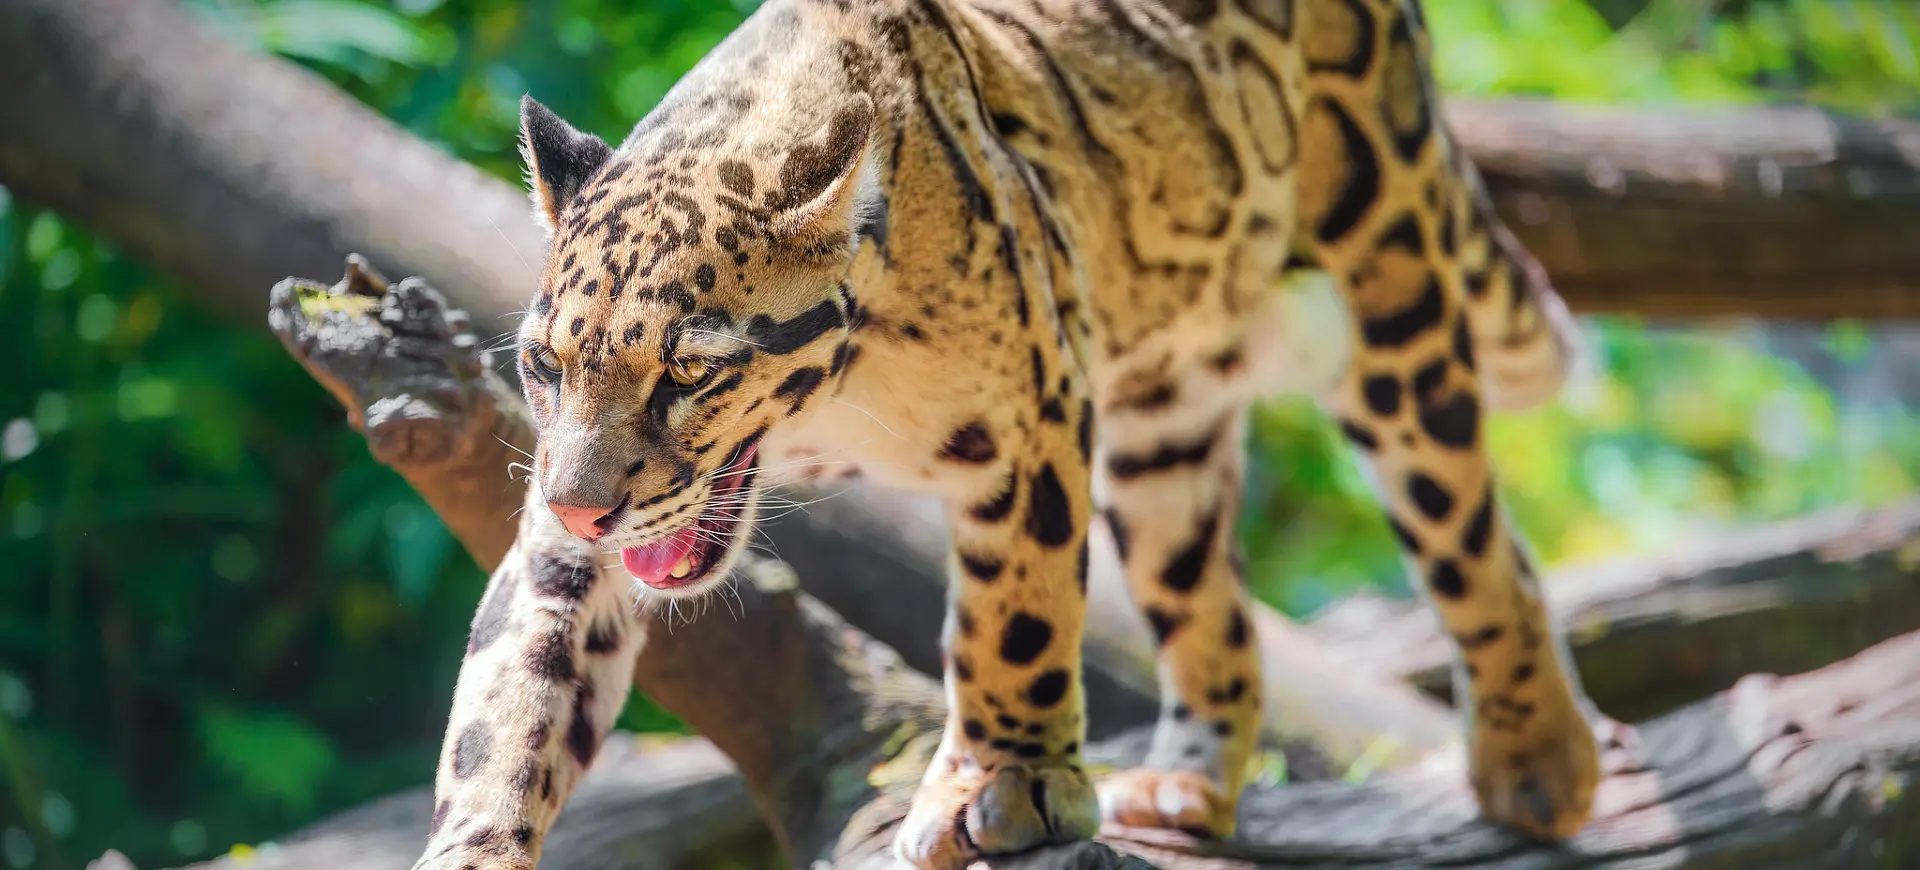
[{"x": 1014, "y": 254}]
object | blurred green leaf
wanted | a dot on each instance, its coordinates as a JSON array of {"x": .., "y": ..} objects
[{"x": 273, "y": 755}]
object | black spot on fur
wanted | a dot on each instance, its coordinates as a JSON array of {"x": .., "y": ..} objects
[
  {"x": 1430, "y": 497},
  {"x": 1485, "y": 635},
  {"x": 579, "y": 324},
  {"x": 971, "y": 444},
  {"x": 1453, "y": 423},
  {"x": 603, "y": 638},
  {"x": 1382, "y": 393},
  {"x": 1354, "y": 65},
  {"x": 471, "y": 750},
  {"x": 1359, "y": 436},
  {"x": 962, "y": 669},
  {"x": 1164, "y": 624},
  {"x": 495, "y": 612},
  {"x": 439, "y": 817},
  {"x": 1223, "y": 728},
  {"x": 799, "y": 385},
  {"x": 1409, "y": 140},
  {"x": 1052, "y": 411},
  {"x": 1522, "y": 672},
  {"x": 1362, "y": 182},
  {"x": 985, "y": 569},
  {"x": 1049, "y": 513},
  {"x": 998, "y": 507},
  {"x": 1237, "y": 629},
  {"x": 1048, "y": 689},
  {"x": 737, "y": 177},
  {"x": 582, "y": 740},
  {"x": 704, "y": 277},
  {"x": 1184, "y": 572},
  {"x": 1408, "y": 542},
  {"x": 1181, "y": 712},
  {"x": 1447, "y": 581},
  {"x": 1405, "y": 235},
  {"x": 1463, "y": 343},
  {"x": 1231, "y": 693},
  {"x": 782, "y": 337},
  {"x": 1086, "y": 430},
  {"x": 481, "y": 836},
  {"x": 562, "y": 578},
  {"x": 551, "y": 657},
  {"x": 974, "y": 730},
  {"x": 1480, "y": 527},
  {"x": 1025, "y": 637},
  {"x": 1403, "y": 326},
  {"x": 1428, "y": 380},
  {"x": 1166, "y": 458}
]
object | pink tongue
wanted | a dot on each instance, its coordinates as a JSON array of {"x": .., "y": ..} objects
[{"x": 650, "y": 564}]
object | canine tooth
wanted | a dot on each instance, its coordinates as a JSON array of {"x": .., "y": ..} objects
[{"x": 683, "y": 567}]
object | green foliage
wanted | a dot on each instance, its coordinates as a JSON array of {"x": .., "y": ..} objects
[{"x": 219, "y": 618}]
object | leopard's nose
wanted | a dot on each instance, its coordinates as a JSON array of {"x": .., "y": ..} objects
[{"x": 582, "y": 520}]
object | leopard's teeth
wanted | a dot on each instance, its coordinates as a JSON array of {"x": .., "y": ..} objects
[{"x": 683, "y": 567}]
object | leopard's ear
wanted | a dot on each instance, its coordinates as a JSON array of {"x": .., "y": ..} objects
[
  {"x": 830, "y": 183},
  {"x": 559, "y": 160}
]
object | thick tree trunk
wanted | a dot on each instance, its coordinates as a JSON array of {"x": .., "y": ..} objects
[{"x": 235, "y": 170}]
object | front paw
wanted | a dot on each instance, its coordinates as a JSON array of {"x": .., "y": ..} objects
[
  {"x": 1537, "y": 775},
  {"x": 969, "y": 814}
]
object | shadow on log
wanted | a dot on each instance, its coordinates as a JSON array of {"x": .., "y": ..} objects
[{"x": 1774, "y": 770}]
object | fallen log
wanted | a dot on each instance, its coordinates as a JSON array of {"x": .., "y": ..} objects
[
  {"x": 1651, "y": 634},
  {"x": 1808, "y": 757},
  {"x": 1810, "y": 771},
  {"x": 131, "y": 117}
]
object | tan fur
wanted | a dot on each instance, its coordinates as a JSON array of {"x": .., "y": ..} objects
[{"x": 1003, "y": 251}]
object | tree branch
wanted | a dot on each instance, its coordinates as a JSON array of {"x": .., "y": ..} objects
[{"x": 1700, "y": 212}]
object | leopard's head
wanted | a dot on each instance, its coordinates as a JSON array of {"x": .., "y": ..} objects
[{"x": 694, "y": 297}]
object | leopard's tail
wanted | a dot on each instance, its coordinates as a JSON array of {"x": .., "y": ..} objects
[{"x": 1526, "y": 343}]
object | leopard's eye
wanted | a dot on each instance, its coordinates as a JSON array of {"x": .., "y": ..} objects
[
  {"x": 547, "y": 360},
  {"x": 689, "y": 372}
]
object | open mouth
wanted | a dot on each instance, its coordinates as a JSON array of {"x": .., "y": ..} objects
[{"x": 688, "y": 555}]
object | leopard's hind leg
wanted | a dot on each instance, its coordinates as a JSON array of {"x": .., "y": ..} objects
[
  {"x": 1172, "y": 453},
  {"x": 1437, "y": 300}
]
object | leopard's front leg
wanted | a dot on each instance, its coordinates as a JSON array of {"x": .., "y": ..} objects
[
  {"x": 1008, "y": 774},
  {"x": 548, "y": 666}
]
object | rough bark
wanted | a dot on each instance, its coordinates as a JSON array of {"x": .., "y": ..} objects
[
  {"x": 1811, "y": 771},
  {"x": 235, "y": 170},
  {"x": 1707, "y": 211},
  {"x": 1651, "y": 634}
]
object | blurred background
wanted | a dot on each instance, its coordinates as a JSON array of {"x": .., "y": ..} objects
[{"x": 220, "y": 619}]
